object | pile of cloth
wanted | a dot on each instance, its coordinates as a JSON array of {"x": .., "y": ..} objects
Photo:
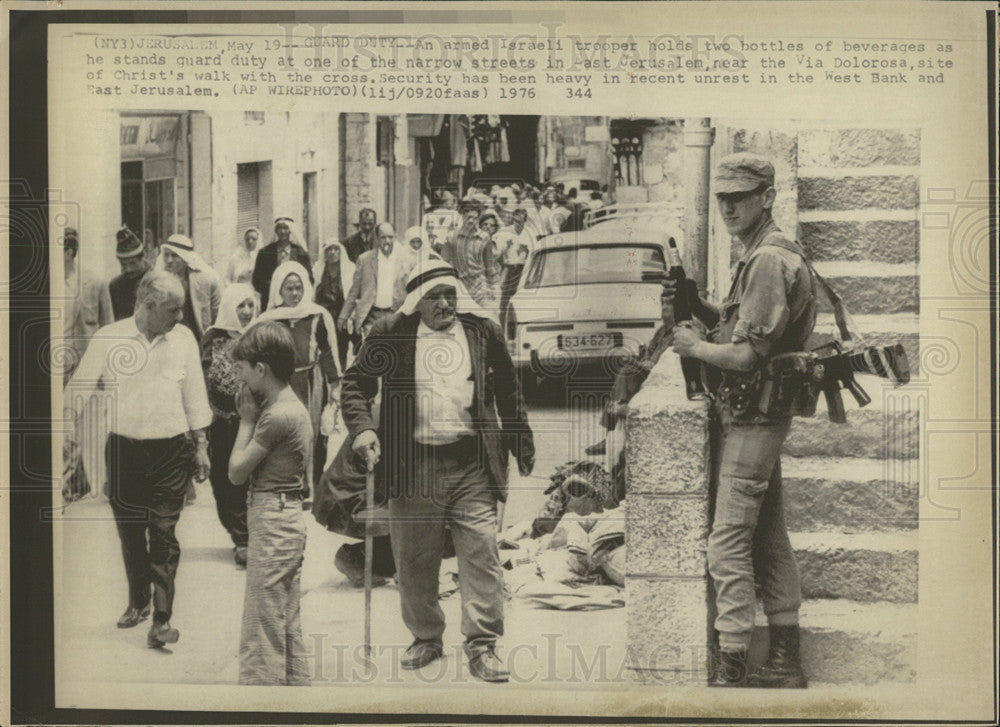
[{"x": 572, "y": 555}]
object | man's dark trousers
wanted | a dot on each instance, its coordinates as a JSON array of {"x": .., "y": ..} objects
[
  {"x": 147, "y": 479},
  {"x": 451, "y": 486}
]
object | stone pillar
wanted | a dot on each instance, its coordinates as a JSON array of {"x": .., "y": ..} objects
[
  {"x": 666, "y": 529},
  {"x": 698, "y": 138}
]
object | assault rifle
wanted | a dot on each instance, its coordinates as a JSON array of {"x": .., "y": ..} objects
[{"x": 838, "y": 369}]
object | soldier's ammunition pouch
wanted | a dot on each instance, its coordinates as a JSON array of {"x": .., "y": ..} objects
[
  {"x": 790, "y": 385},
  {"x": 737, "y": 393}
]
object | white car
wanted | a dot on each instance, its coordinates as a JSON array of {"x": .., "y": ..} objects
[{"x": 582, "y": 300}]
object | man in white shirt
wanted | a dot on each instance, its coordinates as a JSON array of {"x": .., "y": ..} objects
[
  {"x": 513, "y": 243},
  {"x": 378, "y": 287},
  {"x": 157, "y": 439},
  {"x": 451, "y": 414}
]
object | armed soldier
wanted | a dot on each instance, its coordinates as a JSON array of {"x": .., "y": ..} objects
[{"x": 770, "y": 310}]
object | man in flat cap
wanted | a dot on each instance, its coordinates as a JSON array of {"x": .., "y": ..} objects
[
  {"x": 132, "y": 260},
  {"x": 770, "y": 309}
]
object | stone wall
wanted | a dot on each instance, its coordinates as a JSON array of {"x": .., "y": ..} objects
[
  {"x": 357, "y": 165},
  {"x": 859, "y": 191},
  {"x": 667, "y": 530},
  {"x": 662, "y": 166}
]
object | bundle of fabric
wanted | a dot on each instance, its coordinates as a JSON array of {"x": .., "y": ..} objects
[
  {"x": 577, "y": 473},
  {"x": 571, "y": 556}
]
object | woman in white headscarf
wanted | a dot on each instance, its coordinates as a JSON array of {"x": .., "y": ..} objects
[
  {"x": 415, "y": 248},
  {"x": 237, "y": 311},
  {"x": 334, "y": 273},
  {"x": 316, "y": 380},
  {"x": 239, "y": 269}
]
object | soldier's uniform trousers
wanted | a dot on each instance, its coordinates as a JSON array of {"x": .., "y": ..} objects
[{"x": 748, "y": 530}]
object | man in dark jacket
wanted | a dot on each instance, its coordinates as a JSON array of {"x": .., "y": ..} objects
[
  {"x": 284, "y": 247},
  {"x": 129, "y": 252},
  {"x": 442, "y": 453},
  {"x": 365, "y": 238}
]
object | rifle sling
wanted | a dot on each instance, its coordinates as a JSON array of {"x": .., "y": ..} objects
[{"x": 845, "y": 324}]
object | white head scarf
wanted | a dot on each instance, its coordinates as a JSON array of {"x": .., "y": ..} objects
[
  {"x": 430, "y": 272},
  {"x": 182, "y": 246},
  {"x": 407, "y": 255},
  {"x": 241, "y": 245},
  {"x": 277, "y": 311},
  {"x": 294, "y": 236},
  {"x": 232, "y": 297},
  {"x": 274, "y": 302},
  {"x": 346, "y": 266}
]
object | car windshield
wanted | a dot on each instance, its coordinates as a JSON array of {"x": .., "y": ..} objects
[{"x": 586, "y": 264}]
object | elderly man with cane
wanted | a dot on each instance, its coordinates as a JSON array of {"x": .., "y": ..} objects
[{"x": 450, "y": 415}]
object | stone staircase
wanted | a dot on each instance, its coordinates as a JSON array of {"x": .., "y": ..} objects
[
  {"x": 852, "y": 515},
  {"x": 851, "y": 505}
]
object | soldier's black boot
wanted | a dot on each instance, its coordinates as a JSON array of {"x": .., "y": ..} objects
[
  {"x": 731, "y": 669},
  {"x": 782, "y": 669}
]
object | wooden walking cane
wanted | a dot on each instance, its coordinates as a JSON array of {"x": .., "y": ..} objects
[{"x": 369, "y": 507}]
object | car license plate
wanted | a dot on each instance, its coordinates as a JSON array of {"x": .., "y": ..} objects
[{"x": 590, "y": 341}]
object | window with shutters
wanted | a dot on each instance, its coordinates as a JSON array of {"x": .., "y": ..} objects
[{"x": 247, "y": 197}]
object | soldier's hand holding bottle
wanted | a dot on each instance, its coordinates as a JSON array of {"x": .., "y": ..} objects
[{"x": 686, "y": 339}]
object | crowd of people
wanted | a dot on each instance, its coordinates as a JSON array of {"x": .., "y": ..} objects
[
  {"x": 488, "y": 235},
  {"x": 202, "y": 401},
  {"x": 330, "y": 303},
  {"x": 400, "y": 340}
]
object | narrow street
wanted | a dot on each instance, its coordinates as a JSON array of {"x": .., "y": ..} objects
[{"x": 541, "y": 646}]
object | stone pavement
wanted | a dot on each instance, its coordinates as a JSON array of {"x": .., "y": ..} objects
[
  {"x": 547, "y": 645},
  {"x": 542, "y": 647}
]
